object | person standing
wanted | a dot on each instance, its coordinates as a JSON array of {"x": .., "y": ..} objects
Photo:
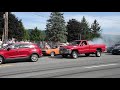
[{"x": 0, "y": 43}]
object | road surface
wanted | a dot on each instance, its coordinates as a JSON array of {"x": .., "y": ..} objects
[{"x": 106, "y": 66}]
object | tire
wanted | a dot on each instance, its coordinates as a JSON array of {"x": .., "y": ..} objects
[
  {"x": 113, "y": 53},
  {"x": 98, "y": 53},
  {"x": 87, "y": 54},
  {"x": 64, "y": 56},
  {"x": 34, "y": 58},
  {"x": 1, "y": 60},
  {"x": 74, "y": 54},
  {"x": 52, "y": 54}
]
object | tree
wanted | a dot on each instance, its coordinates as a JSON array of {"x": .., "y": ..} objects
[
  {"x": 55, "y": 29},
  {"x": 35, "y": 35},
  {"x": 20, "y": 32},
  {"x": 73, "y": 29},
  {"x": 26, "y": 35},
  {"x": 15, "y": 26},
  {"x": 95, "y": 29},
  {"x": 43, "y": 35},
  {"x": 85, "y": 30},
  {"x": 1, "y": 24}
]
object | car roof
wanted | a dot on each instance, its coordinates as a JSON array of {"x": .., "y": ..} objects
[
  {"x": 80, "y": 40},
  {"x": 24, "y": 43}
]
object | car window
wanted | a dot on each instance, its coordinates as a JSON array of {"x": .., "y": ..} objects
[
  {"x": 84, "y": 43},
  {"x": 13, "y": 46},
  {"x": 26, "y": 46},
  {"x": 75, "y": 43}
]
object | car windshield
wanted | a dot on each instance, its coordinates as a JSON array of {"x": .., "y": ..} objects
[
  {"x": 75, "y": 43},
  {"x": 117, "y": 47},
  {"x": 7, "y": 46},
  {"x": 117, "y": 44},
  {"x": 12, "y": 46}
]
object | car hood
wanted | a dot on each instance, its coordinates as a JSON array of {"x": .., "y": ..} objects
[{"x": 70, "y": 47}]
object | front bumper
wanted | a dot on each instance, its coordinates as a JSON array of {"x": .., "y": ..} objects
[
  {"x": 65, "y": 51},
  {"x": 44, "y": 52},
  {"x": 116, "y": 51}
]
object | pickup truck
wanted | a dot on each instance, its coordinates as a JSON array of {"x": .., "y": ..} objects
[{"x": 78, "y": 47}]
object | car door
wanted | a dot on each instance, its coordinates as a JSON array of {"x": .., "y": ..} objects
[
  {"x": 84, "y": 48},
  {"x": 12, "y": 52},
  {"x": 24, "y": 50}
]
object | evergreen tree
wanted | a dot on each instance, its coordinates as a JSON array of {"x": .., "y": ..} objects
[
  {"x": 74, "y": 30},
  {"x": 35, "y": 35},
  {"x": 26, "y": 35},
  {"x": 55, "y": 29},
  {"x": 95, "y": 29},
  {"x": 1, "y": 24},
  {"x": 15, "y": 26},
  {"x": 85, "y": 30}
]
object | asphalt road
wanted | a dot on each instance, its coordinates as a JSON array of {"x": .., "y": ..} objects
[{"x": 106, "y": 66}]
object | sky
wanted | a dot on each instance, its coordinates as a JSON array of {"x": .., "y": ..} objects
[{"x": 109, "y": 21}]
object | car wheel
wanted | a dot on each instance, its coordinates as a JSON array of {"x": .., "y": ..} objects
[
  {"x": 87, "y": 54},
  {"x": 1, "y": 60},
  {"x": 52, "y": 54},
  {"x": 74, "y": 54},
  {"x": 34, "y": 58},
  {"x": 98, "y": 53}
]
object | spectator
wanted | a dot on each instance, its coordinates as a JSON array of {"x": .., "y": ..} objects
[
  {"x": 47, "y": 46},
  {"x": 0, "y": 43}
]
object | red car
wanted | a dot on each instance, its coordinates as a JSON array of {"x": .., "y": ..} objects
[
  {"x": 20, "y": 51},
  {"x": 82, "y": 47}
]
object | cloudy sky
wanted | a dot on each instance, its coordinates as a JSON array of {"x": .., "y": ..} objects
[{"x": 109, "y": 21}]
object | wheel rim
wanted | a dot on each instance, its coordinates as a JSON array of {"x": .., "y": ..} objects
[
  {"x": 52, "y": 54},
  {"x": 1, "y": 60},
  {"x": 34, "y": 58},
  {"x": 98, "y": 53},
  {"x": 74, "y": 55}
]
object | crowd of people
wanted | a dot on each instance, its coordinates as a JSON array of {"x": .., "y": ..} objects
[
  {"x": 11, "y": 41},
  {"x": 42, "y": 44}
]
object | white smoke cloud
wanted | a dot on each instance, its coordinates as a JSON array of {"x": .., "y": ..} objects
[{"x": 97, "y": 41}]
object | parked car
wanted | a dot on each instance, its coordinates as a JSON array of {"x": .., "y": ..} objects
[
  {"x": 109, "y": 49},
  {"x": 82, "y": 47},
  {"x": 28, "y": 51},
  {"x": 51, "y": 51},
  {"x": 116, "y": 50}
]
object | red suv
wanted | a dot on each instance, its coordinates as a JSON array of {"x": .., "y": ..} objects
[{"x": 20, "y": 51}]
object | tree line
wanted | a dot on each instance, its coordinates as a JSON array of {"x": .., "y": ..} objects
[{"x": 57, "y": 29}]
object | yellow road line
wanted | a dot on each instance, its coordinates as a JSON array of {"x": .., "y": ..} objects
[{"x": 5, "y": 65}]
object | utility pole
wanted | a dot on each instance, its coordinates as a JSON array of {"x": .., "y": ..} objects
[{"x": 5, "y": 31}]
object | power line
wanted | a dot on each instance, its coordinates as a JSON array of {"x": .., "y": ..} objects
[{"x": 40, "y": 15}]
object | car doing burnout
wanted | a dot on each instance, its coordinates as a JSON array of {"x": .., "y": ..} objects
[
  {"x": 82, "y": 47},
  {"x": 20, "y": 51}
]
